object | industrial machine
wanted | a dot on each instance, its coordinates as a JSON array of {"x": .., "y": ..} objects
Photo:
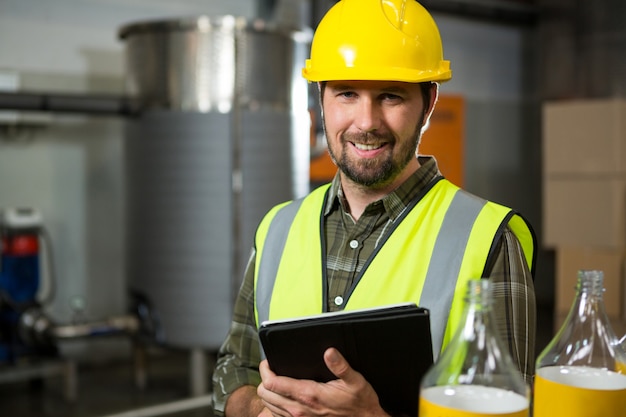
[
  {"x": 26, "y": 331},
  {"x": 20, "y": 280}
]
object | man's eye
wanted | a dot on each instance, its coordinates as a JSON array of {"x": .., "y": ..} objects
[
  {"x": 347, "y": 94},
  {"x": 389, "y": 96}
]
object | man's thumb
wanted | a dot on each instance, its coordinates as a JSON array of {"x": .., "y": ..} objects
[{"x": 336, "y": 363}]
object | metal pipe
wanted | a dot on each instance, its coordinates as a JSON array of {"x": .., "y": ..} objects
[
  {"x": 36, "y": 328},
  {"x": 45, "y": 368},
  {"x": 198, "y": 372},
  {"x": 106, "y": 327},
  {"x": 69, "y": 103},
  {"x": 168, "y": 408},
  {"x": 265, "y": 9}
]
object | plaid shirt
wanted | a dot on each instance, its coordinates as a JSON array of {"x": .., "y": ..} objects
[{"x": 514, "y": 297}]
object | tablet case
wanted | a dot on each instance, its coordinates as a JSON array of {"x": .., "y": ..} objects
[{"x": 390, "y": 346}]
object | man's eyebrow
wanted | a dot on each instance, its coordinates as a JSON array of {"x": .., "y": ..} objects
[
  {"x": 341, "y": 87},
  {"x": 390, "y": 89},
  {"x": 394, "y": 89}
]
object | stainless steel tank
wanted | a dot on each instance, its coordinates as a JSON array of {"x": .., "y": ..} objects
[{"x": 222, "y": 135}]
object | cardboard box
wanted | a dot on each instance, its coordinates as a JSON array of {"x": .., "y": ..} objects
[
  {"x": 569, "y": 260},
  {"x": 584, "y": 137},
  {"x": 584, "y": 212}
]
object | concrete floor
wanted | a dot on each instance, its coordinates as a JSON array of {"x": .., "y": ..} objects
[{"x": 110, "y": 390}]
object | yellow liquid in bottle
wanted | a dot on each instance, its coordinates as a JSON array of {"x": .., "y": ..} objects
[
  {"x": 471, "y": 401},
  {"x": 578, "y": 391}
]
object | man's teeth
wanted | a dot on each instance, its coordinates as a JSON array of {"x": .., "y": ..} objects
[{"x": 366, "y": 147}]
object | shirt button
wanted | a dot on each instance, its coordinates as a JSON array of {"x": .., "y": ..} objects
[
  {"x": 338, "y": 300},
  {"x": 354, "y": 244}
]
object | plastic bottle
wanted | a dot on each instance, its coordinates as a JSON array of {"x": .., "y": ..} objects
[
  {"x": 475, "y": 375},
  {"x": 582, "y": 371}
]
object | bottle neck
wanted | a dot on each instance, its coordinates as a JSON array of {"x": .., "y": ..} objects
[
  {"x": 478, "y": 303},
  {"x": 478, "y": 296},
  {"x": 586, "y": 337},
  {"x": 589, "y": 292}
]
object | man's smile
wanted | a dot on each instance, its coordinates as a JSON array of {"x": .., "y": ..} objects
[{"x": 368, "y": 147}]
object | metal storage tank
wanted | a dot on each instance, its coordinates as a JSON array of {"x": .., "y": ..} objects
[{"x": 221, "y": 136}]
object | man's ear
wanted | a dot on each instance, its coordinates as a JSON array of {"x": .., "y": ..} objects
[
  {"x": 434, "y": 96},
  {"x": 321, "y": 87}
]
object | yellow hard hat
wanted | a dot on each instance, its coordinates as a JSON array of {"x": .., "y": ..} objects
[{"x": 377, "y": 40}]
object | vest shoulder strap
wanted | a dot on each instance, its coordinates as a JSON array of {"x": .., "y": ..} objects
[{"x": 271, "y": 238}]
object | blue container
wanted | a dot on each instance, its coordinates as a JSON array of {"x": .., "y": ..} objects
[
  {"x": 19, "y": 267},
  {"x": 19, "y": 283}
]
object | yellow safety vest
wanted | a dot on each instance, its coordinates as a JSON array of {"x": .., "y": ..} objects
[{"x": 445, "y": 239}]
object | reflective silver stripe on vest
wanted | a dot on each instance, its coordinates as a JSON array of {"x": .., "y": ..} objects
[
  {"x": 275, "y": 241},
  {"x": 440, "y": 282},
  {"x": 445, "y": 263}
]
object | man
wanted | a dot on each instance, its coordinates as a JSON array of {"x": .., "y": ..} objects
[{"x": 388, "y": 229}]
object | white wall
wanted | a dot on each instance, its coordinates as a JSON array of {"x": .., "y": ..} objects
[
  {"x": 71, "y": 169},
  {"x": 486, "y": 58}
]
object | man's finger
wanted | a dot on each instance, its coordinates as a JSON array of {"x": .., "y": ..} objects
[
  {"x": 273, "y": 383},
  {"x": 337, "y": 364}
]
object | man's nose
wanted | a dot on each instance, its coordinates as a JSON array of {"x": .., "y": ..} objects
[{"x": 368, "y": 117}]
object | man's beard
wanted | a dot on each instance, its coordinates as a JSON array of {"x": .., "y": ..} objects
[{"x": 375, "y": 173}]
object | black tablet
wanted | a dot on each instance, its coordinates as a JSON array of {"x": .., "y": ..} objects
[{"x": 390, "y": 346}]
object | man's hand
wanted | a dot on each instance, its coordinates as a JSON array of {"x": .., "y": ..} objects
[{"x": 348, "y": 395}]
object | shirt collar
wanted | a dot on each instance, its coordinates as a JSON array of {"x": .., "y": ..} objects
[{"x": 398, "y": 200}]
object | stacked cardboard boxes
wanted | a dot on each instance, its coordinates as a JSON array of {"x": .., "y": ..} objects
[{"x": 584, "y": 198}]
